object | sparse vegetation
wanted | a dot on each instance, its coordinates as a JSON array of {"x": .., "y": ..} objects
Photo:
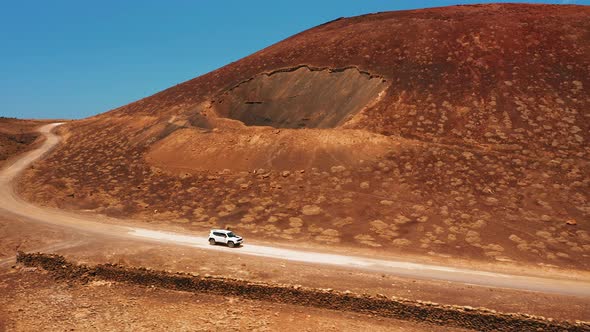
[{"x": 496, "y": 169}]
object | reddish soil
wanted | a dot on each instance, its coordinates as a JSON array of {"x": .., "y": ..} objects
[
  {"x": 268, "y": 148},
  {"x": 303, "y": 97},
  {"x": 33, "y": 300},
  {"x": 383, "y": 306},
  {"x": 476, "y": 149},
  {"x": 206, "y": 263},
  {"x": 16, "y": 136},
  {"x": 17, "y": 234}
]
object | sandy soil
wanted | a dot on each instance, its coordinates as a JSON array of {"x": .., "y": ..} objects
[
  {"x": 491, "y": 172},
  {"x": 109, "y": 307},
  {"x": 491, "y": 121},
  {"x": 96, "y": 250},
  {"x": 20, "y": 234},
  {"x": 10, "y": 202},
  {"x": 203, "y": 262},
  {"x": 17, "y": 136},
  {"x": 34, "y": 301},
  {"x": 332, "y": 208}
]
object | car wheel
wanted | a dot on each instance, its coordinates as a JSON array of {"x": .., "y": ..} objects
[
  {"x": 212, "y": 241},
  {"x": 231, "y": 244}
]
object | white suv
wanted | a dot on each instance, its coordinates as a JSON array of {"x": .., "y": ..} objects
[{"x": 226, "y": 237}]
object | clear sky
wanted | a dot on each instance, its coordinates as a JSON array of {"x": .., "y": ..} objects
[{"x": 73, "y": 58}]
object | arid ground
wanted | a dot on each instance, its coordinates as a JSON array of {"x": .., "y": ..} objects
[
  {"x": 459, "y": 132},
  {"x": 17, "y": 136},
  {"x": 34, "y": 299},
  {"x": 454, "y": 136}
]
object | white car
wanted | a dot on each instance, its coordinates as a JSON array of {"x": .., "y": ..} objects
[{"x": 225, "y": 237}]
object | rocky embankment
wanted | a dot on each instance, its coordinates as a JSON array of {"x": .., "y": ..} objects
[{"x": 454, "y": 316}]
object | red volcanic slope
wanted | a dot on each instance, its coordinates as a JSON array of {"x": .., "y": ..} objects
[
  {"x": 472, "y": 66},
  {"x": 459, "y": 131}
]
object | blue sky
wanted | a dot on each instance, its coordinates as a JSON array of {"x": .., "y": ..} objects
[{"x": 73, "y": 59}]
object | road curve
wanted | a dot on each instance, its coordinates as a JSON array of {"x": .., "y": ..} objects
[{"x": 10, "y": 202}]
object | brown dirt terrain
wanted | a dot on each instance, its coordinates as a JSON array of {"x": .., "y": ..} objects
[
  {"x": 33, "y": 300},
  {"x": 477, "y": 144},
  {"x": 229, "y": 265},
  {"x": 281, "y": 149},
  {"x": 17, "y": 136},
  {"x": 465, "y": 317},
  {"x": 301, "y": 97},
  {"x": 18, "y": 234},
  {"x": 36, "y": 301}
]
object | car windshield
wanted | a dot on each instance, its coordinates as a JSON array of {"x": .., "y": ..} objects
[{"x": 230, "y": 234}]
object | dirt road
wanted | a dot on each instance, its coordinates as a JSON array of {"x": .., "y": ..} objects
[{"x": 10, "y": 202}]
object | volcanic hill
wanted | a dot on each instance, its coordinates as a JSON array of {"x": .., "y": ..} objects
[
  {"x": 454, "y": 132},
  {"x": 17, "y": 136}
]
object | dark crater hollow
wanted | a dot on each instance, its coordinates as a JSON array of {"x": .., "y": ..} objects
[{"x": 301, "y": 97}]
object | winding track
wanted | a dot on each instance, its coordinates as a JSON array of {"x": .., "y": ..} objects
[{"x": 11, "y": 203}]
